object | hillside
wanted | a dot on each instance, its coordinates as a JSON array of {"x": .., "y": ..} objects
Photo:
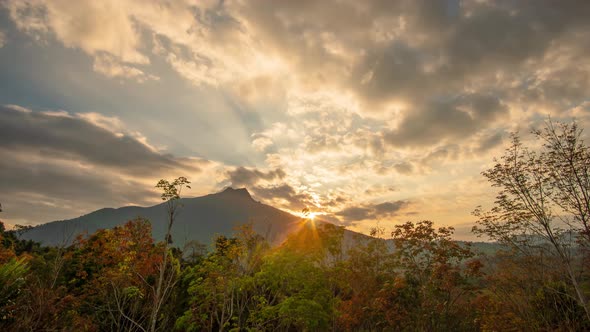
[{"x": 199, "y": 218}]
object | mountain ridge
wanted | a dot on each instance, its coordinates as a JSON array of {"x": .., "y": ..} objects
[{"x": 199, "y": 219}]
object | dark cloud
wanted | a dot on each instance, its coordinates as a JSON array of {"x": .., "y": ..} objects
[
  {"x": 36, "y": 190},
  {"x": 399, "y": 37},
  {"x": 435, "y": 58},
  {"x": 335, "y": 201},
  {"x": 447, "y": 121},
  {"x": 25, "y": 173},
  {"x": 389, "y": 207},
  {"x": 438, "y": 54},
  {"x": 244, "y": 177},
  {"x": 498, "y": 34},
  {"x": 296, "y": 201},
  {"x": 60, "y": 165},
  {"x": 356, "y": 213},
  {"x": 68, "y": 137},
  {"x": 390, "y": 72},
  {"x": 380, "y": 189},
  {"x": 439, "y": 155},
  {"x": 372, "y": 211},
  {"x": 404, "y": 167},
  {"x": 269, "y": 187},
  {"x": 490, "y": 141}
]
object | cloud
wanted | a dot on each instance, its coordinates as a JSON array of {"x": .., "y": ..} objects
[
  {"x": 104, "y": 30},
  {"x": 42, "y": 188},
  {"x": 110, "y": 67},
  {"x": 285, "y": 196},
  {"x": 272, "y": 187},
  {"x": 439, "y": 155},
  {"x": 404, "y": 167},
  {"x": 328, "y": 99},
  {"x": 490, "y": 141},
  {"x": 71, "y": 136},
  {"x": 261, "y": 142},
  {"x": 448, "y": 121},
  {"x": 372, "y": 211},
  {"x": 94, "y": 27},
  {"x": 244, "y": 177},
  {"x": 356, "y": 213},
  {"x": 388, "y": 208},
  {"x": 382, "y": 53},
  {"x": 66, "y": 164},
  {"x": 379, "y": 52}
]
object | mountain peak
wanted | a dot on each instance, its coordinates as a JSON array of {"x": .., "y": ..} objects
[{"x": 238, "y": 192}]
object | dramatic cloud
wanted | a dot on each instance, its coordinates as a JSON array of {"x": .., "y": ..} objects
[
  {"x": 285, "y": 196},
  {"x": 243, "y": 177},
  {"x": 449, "y": 121},
  {"x": 372, "y": 211},
  {"x": 74, "y": 163},
  {"x": 270, "y": 187},
  {"x": 325, "y": 105},
  {"x": 65, "y": 136}
]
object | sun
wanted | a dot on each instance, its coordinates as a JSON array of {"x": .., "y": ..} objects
[{"x": 307, "y": 214}]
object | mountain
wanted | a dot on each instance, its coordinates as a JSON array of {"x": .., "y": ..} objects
[{"x": 199, "y": 218}]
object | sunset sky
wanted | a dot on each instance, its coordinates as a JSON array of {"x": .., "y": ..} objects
[{"x": 365, "y": 112}]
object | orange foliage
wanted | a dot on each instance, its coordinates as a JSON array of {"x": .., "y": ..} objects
[{"x": 124, "y": 255}]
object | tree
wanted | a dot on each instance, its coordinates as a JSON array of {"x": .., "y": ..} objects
[
  {"x": 12, "y": 275},
  {"x": 436, "y": 272},
  {"x": 12, "y": 280},
  {"x": 214, "y": 288},
  {"x": 113, "y": 271},
  {"x": 543, "y": 204},
  {"x": 222, "y": 286},
  {"x": 167, "y": 277},
  {"x": 368, "y": 267},
  {"x": 293, "y": 293}
]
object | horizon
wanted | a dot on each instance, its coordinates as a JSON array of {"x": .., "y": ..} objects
[
  {"x": 304, "y": 218},
  {"x": 363, "y": 113}
]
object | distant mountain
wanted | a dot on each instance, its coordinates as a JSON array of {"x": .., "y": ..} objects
[{"x": 199, "y": 218}]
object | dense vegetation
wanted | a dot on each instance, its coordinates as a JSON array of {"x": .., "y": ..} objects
[{"x": 413, "y": 277}]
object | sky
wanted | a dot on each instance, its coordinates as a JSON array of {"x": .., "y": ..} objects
[{"x": 368, "y": 113}]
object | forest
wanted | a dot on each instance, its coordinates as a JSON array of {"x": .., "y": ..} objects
[{"x": 413, "y": 277}]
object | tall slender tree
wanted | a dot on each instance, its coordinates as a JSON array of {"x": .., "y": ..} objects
[{"x": 167, "y": 278}]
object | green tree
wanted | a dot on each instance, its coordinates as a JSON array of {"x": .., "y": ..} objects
[
  {"x": 12, "y": 281},
  {"x": 437, "y": 273},
  {"x": 221, "y": 287},
  {"x": 214, "y": 289},
  {"x": 293, "y": 293}
]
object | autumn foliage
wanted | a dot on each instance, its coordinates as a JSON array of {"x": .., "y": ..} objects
[{"x": 413, "y": 277}]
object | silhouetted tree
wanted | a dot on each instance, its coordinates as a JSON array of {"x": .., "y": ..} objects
[
  {"x": 543, "y": 202},
  {"x": 167, "y": 278}
]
